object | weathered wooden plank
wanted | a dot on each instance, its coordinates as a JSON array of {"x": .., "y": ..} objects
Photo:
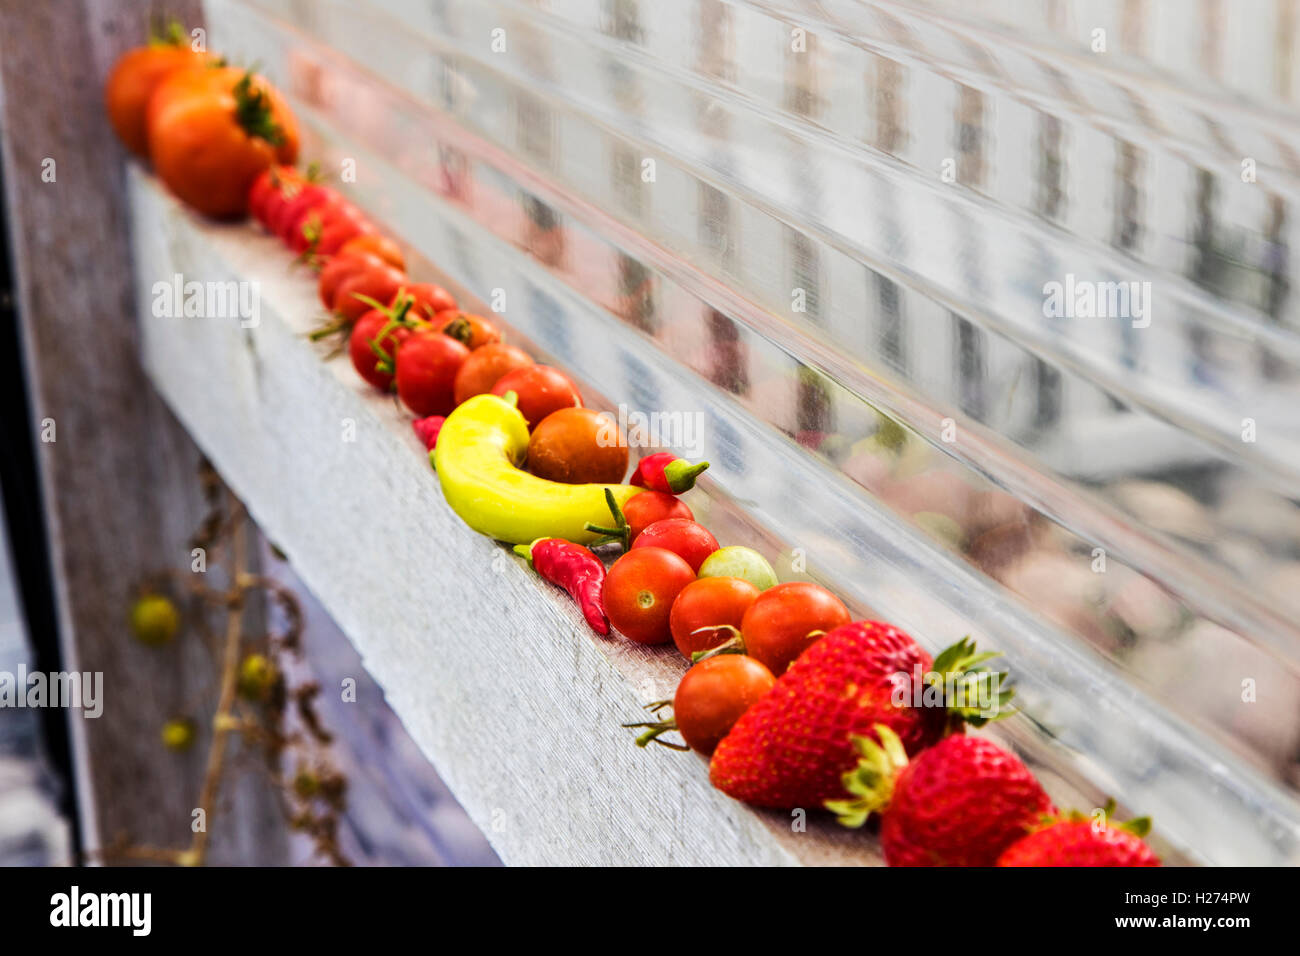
[
  {"x": 119, "y": 478},
  {"x": 493, "y": 673}
]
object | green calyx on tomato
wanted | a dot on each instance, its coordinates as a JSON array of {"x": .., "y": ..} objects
[{"x": 253, "y": 111}]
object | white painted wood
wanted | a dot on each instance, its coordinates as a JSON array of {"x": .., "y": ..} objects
[{"x": 493, "y": 672}]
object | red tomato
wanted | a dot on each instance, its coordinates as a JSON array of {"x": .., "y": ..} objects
[
  {"x": 309, "y": 197},
  {"x": 430, "y": 299},
  {"x": 645, "y": 509},
  {"x": 379, "y": 245},
  {"x": 714, "y": 694},
  {"x": 713, "y": 603},
  {"x": 780, "y": 624},
  {"x": 280, "y": 193},
  {"x": 639, "y": 591},
  {"x": 270, "y": 182},
  {"x": 541, "y": 390},
  {"x": 683, "y": 537},
  {"x": 305, "y": 229},
  {"x": 375, "y": 368},
  {"x": 427, "y": 364},
  {"x": 342, "y": 228},
  {"x": 339, "y": 268},
  {"x": 380, "y": 283}
]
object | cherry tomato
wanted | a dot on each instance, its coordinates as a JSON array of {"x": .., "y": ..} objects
[
  {"x": 639, "y": 591},
  {"x": 361, "y": 348},
  {"x": 486, "y": 366},
  {"x": 299, "y": 198},
  {"x": 474, "y": 330},
  {"x": 714, "y": 694},
  {"x": 427, "y": 363},
  {"x": 541, "y": 390},
  {"x": 339, "y": 268},
  {"x": 381, "y": 283},
  {"x": 576, "y": 446},
  {"x": 339, "y": 229},
  {"x": 269, "y": 182},
  {"x": 780, "y": 624},
  {"x": 306, "y": 228},
  {"x": 430, "y": 299},
  {"x": 714, "y": 603},
  {"x": 381, "y": 246},
  {"x": 682, "y": 536},
  {"x": 276, "y": 196},
  {"x": 645, "y": 509}
]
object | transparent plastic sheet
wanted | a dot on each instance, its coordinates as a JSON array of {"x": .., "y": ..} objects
[{"x": 922, "y": 317}]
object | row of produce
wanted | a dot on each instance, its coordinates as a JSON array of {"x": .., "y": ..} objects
[{"x": 797, "y": 705}]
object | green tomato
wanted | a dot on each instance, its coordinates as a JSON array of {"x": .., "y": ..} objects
[
  {"x": 257, "y": 675},
  {"x": 178, "y": 733},
  {"x": 154, "y": 619},
  {"x": 739, "y": 562}
]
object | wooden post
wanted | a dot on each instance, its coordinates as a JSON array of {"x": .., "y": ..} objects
[{"x": 117, "y": 472}]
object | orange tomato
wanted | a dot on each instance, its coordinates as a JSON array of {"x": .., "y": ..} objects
[
  {"x": 473, "y": 330},
  {"x": 787, "y": 619},
  {"x": 577, "y": 446},
  {"x": 132, "y": 81},
  {"x": 212, "y": 131},
  {"x": 713, "y": 603},
  {"x": 379, "y": 245},
  {"x": 714, "y": 694},
  {"x": 486, "y": 366}
]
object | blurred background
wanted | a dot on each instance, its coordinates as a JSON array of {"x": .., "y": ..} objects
[{"x": 987, "y": 307}]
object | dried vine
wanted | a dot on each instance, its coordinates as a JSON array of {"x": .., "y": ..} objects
[{"x": 256, "y": 704}]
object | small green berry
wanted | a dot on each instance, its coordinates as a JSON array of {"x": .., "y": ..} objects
[
  {"x": 257, "y": 675},
  {"x": 178, "y": 734},
  {"x": 154, "y": 620}
]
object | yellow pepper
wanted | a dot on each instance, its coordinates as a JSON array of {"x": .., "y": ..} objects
[{"x": 480, "y": 448}]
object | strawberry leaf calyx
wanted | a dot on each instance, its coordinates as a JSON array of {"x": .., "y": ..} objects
[
  {"x": 972, "y": 693},
  {"x": 870, "y": 784},
  {"x": 1103, "y": 817}
]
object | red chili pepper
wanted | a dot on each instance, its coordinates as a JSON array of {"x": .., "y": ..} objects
[
  {"x": 427, "y": 429},
  {"x": 573, "y": 568},
  {"x": 664, "y": 471}
]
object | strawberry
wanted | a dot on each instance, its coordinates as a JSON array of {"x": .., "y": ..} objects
[
  {"x": 959, "y": 803},
  {"x": 1077, "y": 841},
  {"x": 794, "y": 745}
]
